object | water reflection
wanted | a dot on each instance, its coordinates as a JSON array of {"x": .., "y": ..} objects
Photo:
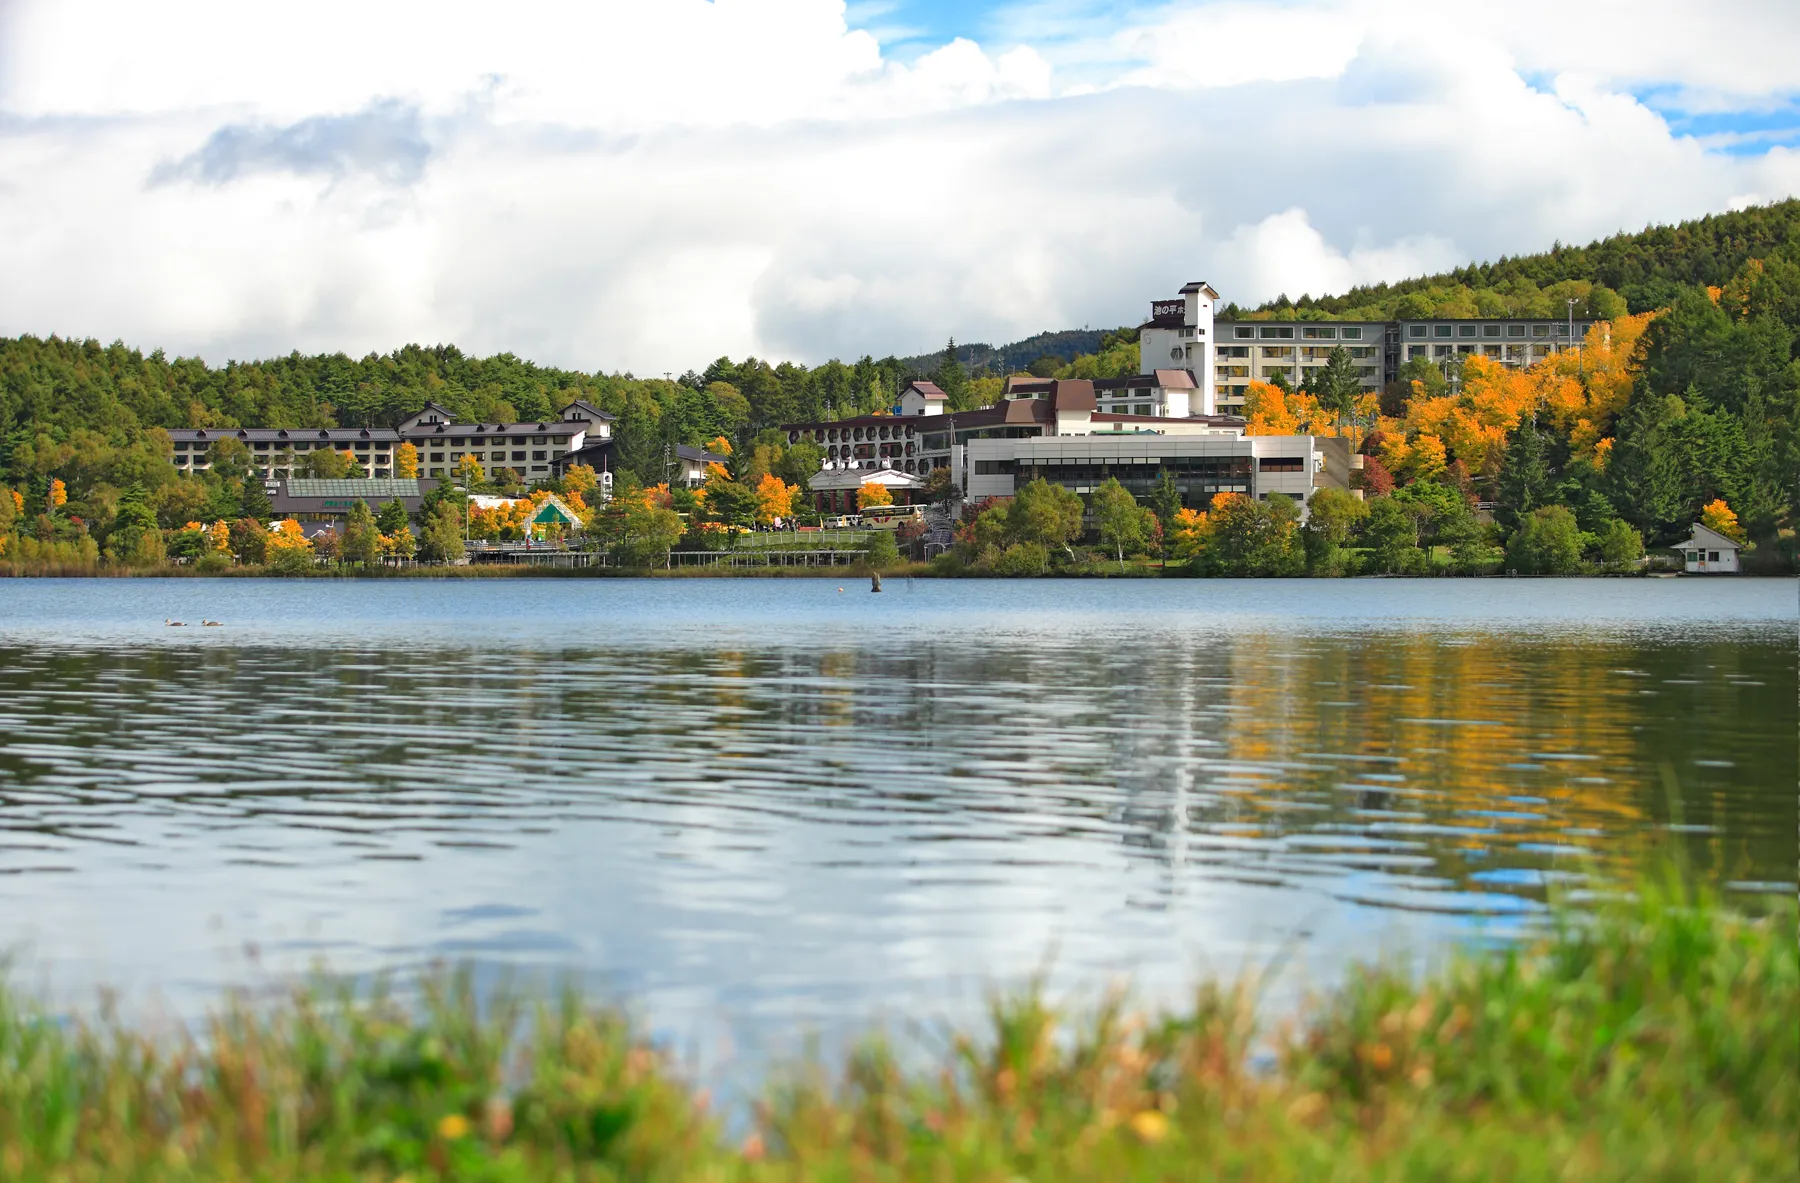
[{"x": 822, "y": 826}]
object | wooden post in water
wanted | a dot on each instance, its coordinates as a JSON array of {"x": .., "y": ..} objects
[{"x": 874, "y": 581}]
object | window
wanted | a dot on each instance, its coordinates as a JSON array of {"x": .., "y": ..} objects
[
  {"x": 1234, "y": 351},
  {"x": 518, "y": 455},
  {"x": 1234, "y": 371},
  {"x": 1440, "y": 330},
  {"x": 1515, "y": 330},
  {"x": 1442, "y": 350},
  {"x": 1319, "y": 333},
  {"x": 1278, "y": 372},
  {"x": 1465, "y": 349},
  {"x": 456, "y": 442},
  {"x": 181, "y": 446},
  {"x": 994, "y": 467},
  {"x": 1540, "y": 330},
  {"x": 1362, "y": 351},
  {"x": 1280, "y": 464},
  {"x": 437, "y": 457},
  {"x": 1243, "y": 332},
  {"x": 1142, "y": 409},
  {"x": 1352, "y": 333},
  {"x": 1415, "y": 330},
  {"x": 437, "y": 472},
  {"x": 1465, "y": 330},
  {"x": 1712, "y": 556},
  {"x": 1278, "y": 351},
  {"x": 1277, "y": 333},
  {"x": 1490, "y": 330},
  {"x": 537, "y": 455},
  {"x": 1491, "y": 350},
  {"x": 1413, "y": 351},
  {"x": 479, "y": 440}
]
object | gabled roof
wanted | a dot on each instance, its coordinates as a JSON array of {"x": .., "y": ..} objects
[
  {"x": 1072, "y": 394},
  {"x": 684, "y": 452},
  {"x": 1705, "y": 538},
  {"x": 1199, "y": 285},
  {"x": 930, "y": 390},
  {"x": 589, "y": 409},
  {"x": 1175, "y": 379}
]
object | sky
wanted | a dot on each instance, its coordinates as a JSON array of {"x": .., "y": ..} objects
[{"x": 645, "y": 185}]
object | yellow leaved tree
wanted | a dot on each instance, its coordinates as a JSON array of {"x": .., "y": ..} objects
[
  {"x": 406, "y": 461},
  {"x": 775, "y": 498},
  {"x": 873, "y": 493},
  {"x": 1719, "y": 517}
]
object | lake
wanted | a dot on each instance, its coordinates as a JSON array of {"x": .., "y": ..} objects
[{"x": 758, "y": 808}]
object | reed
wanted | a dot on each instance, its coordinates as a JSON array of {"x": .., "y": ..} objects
[{"x": 1654, "y": 1037}]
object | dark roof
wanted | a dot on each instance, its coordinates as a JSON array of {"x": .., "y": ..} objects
[
  {"x": 861, "y": 421},
  {"x": 686, "y": 453},
  {"x": 545, "y": 427},
  {"x": 930, "y": 390},
  {"x": 279, "y": 434},
  {"x": 1163, "y": 379}
]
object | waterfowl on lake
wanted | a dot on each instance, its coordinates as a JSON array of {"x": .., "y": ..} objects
[
  {"x": 210, "y": 623},
  {"x": 174, "y": 623}
]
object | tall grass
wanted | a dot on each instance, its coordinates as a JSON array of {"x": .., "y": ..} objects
[{"x": 1656, "y": 1039}]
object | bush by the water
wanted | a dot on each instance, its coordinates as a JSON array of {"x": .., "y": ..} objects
[{"x": 1655, "y": 1040}]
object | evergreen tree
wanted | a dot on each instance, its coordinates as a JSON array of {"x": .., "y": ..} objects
[
  {"x": 392, "y": 519},
  {"x": 952, "y": 379},
  {"x": 1525, "y": 477},
  {"x": 253, "y": 500}
]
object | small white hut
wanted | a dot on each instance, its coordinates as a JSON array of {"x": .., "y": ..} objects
[{"x": 1709, "y": 552}]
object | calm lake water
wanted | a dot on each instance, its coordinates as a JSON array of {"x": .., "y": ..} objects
[{"x": 758, "y": 807}]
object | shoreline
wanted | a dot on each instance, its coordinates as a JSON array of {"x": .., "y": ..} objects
[{"x": 1647, "y": 1036}]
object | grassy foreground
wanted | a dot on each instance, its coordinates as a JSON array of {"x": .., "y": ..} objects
[{"x": 1660, "y": 1041}]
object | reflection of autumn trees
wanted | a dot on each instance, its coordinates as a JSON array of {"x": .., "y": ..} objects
[{"x": 1506, "y": 744}]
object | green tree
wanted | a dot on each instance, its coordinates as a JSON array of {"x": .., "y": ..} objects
[
  {"x": 1249, "y": 538},
  {"x": 1332, "y": 516},
  {"x": 648, "y": 533},
  {"x": 1525, "y": 479},
  {"x": 1047, "y": 514},
  {"x": 1336, "y": 384},
  {"x": 883, "y": 552},
  {"x": 362, "y": 540},
  {"x": 1547, "y": 542},
  {"x": 1645, "y": 476},
  {"x": 392, "y": 518},
  {"x": 1391, "y": 533},
  {"x": 1165, "y": 500},
  {"x": 228, "y": 458},
  {"x": 1618, "y": 546},
  {"x": 253, "y": 500},
  {"x": 1118, "y": 518},
  {"x": 441, "y": 537},
  {"x": 326, "y": 464},
  {"x": 952, "y": 379}
]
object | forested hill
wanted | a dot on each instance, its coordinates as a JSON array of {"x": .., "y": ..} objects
[{"x": 1645, "y": 270}]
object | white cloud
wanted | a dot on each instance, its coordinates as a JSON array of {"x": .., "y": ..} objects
[{"x": 649, "y": 185}]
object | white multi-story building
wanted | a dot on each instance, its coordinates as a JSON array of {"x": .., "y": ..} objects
[
  {"x": 1079, "y": 447},
  {"x": 1179, "y": 335},
  {"x": 1265, "y": 350},
  {"x": 1516, "y": 342}
]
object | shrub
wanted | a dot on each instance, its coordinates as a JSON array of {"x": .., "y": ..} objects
[
  {"x": 882, "y": 550},
  {"x": 1022, "y": 558},
  {"x": 1547, "y": 542}
]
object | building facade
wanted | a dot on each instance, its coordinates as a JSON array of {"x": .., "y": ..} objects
[{"x": 531, "y": 449}]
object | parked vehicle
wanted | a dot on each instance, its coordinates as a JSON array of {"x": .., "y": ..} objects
[{"x": 889, "y": 517}]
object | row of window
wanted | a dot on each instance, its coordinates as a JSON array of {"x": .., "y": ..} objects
[
  {"x": 1489, "y": 330},
  {"x": 1511, "y": 352},
  {"x": 845, "y": 435},
  {"x": 1306, "y": 332},
  {"x": 486, "y": 457}
]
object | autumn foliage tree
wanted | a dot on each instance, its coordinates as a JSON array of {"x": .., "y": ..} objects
[{"x": 873, "y": 493}]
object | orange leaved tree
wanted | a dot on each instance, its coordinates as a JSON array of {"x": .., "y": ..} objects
[{"x": 873, "y": 493}]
